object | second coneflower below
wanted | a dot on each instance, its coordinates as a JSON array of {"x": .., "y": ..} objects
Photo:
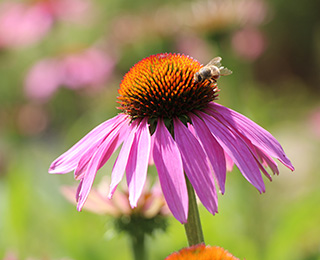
[
  {"x": 168, "y": 117},
  {"x": 202, "y": 252}
]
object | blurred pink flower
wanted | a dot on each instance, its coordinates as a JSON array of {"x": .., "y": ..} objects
[
  {"x": 71, "y": 10},
  {"x": 22, "y": 24},
  {"x": 194, "y": 45},
  {"x": 89, "y": 68},
  {"x": 150, "y": 204},
  {"x": 43, "y": 79},
  {"x": 198, "y": 16},
  {"x": 249, "y": 43}
]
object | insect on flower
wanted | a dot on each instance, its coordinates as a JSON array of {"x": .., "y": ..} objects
[
  {"x": 168, "y": 117},
  {"x": 212, "y": 71}
]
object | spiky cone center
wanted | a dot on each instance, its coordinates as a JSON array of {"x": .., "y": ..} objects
[
  {"x": 203, "y": 252},
  {"x": 162, "y": 85}
]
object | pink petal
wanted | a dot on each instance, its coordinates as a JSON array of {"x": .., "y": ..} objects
[
  {"x": 253, "y": 149},
  {"x": 137, "y": 165},
  {"x": 101, "y": 155},
  {"x": 69, "y": 160},
  {"x": 255, "y": 133},
  {"x": 236, "y": 149},
  {"x": 151, "y": 161},
  {"x": 78, "y": 190},
  {"x": 168, "y": 162},
  {"x": 84, "y": 161},
  {"x": 229, "y": 162},
  {"x": 196, "y": 166},
  {"x": 268, "y": 161},
  {"x": 213, "y": 150},
  {"x": 121, "y": 162}
]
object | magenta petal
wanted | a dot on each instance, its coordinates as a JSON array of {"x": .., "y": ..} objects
[
  {"x": 196, "y": 166},
  {"x": 101, "y": 155},
  {"x": 69, "y": 160},
  {"x": 229, "y": 162},
  {"x": 253, "y": 149},
  {"x": 121, "y": 162},
  {"x": 213, "y": 150},
  {"x": 87, "y": 181},
  {"x": 78, "y": 190},
  {"x": 120, "y": 128},
  {"x": 236, "y": 149},
  {"x": 137, "y": 165},
  {"x": 255, "y": 133},
  {"x": 84, "y": 161},
  {"x": 168, "y": 162},
  {"x": 268, "y": 161}
]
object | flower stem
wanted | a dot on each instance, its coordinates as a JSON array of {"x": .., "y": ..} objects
[
  {"x": 193, "y": 226},
  {"x": 138, "y": 246}
]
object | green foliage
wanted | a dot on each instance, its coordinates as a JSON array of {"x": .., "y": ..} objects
[{"x": 279, "y": 90}]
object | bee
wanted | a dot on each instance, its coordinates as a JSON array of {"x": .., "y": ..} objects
[{"x": 212, "y": 71}]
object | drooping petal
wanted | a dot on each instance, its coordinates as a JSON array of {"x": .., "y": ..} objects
[
  {"x": 102, "y": 154},
  {"x": 229, "y": 162},
  {"x": 253, "y": 149},
  {"x": 78, "y": 190},
  {"x": 168, "y": 162},
  {"x": 121, "y": 162},
  {"x": 137, "y": 165},
  {"x": 121, "y": 128},
  {"x": 213, "y": 150},
  {"x": 236, "y": 149},
  {"x": 196, "y": 166},
  {"x": 268, "y": 161},
  {"x": 84, "y": 161},
  {"x": 255, "y": 133},
  {"x": 69, "y": 160}
]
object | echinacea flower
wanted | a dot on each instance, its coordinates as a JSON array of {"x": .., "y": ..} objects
[
  {"x": 169, "y": 117},
  {"x": 202, "y": 252}
]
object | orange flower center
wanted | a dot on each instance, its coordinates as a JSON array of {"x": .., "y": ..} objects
[
  {"x": 202, "y": 252},
  {"x": 162, "y": 85}
]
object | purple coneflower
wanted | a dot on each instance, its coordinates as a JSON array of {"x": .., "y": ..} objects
[{"x": 168, "y": 117}]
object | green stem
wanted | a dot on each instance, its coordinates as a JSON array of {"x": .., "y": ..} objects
[
  {"x": 138, "y": 246},
  {"x": 193, "y": 226}
]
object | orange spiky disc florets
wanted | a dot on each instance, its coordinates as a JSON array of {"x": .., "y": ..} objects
[
  {"x": 202, "y": 252},
  {"x": 162, "y": 85}
]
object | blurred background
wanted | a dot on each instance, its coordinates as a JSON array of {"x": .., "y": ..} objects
[{"x": 61, "y": 63}]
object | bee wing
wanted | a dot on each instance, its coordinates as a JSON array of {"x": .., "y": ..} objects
[
  {"x": 225, "y": 71},
  {"x": 215, "y": 61}
]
